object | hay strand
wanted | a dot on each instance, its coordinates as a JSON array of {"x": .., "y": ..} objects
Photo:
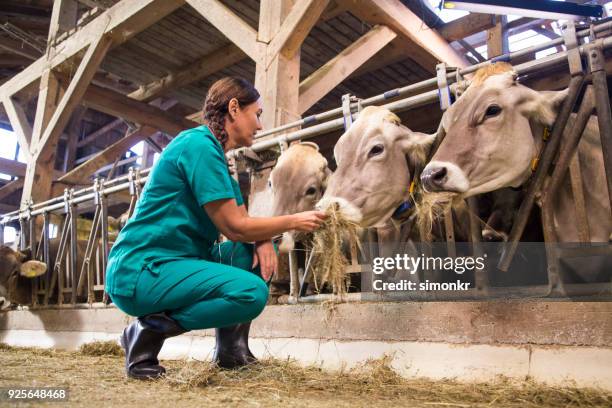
[
  {"x": 430, "y": 207},
  {"x": 329, "y": 265}
]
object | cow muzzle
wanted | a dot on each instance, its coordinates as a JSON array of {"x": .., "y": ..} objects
[
  {"x": 4, "y": 303},
  {"x": 347, "y": 209},
  {"x": 444, "y": 176}
]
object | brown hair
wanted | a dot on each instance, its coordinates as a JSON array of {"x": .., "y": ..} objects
[
  {"x": 217, "y": 99},
  {"x": 489, "y": 70}
]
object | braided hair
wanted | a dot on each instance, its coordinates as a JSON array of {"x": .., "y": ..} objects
[{"x": 217, "y": 100}]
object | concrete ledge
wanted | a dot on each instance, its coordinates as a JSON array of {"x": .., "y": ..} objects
[
  {"x": 495, "y": 322},
  {"x": 554, "y": 365}
]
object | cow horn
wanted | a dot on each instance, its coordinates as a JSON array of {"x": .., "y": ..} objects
[{"x": 32, "y": 269}]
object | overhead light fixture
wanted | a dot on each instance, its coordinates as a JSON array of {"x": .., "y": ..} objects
[{"x": 548, "y": 9}]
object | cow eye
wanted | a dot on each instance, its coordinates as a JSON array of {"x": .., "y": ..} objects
[
  {"x": 311, "y": 191},
  {"x": 270, "y": 183},
  {"x": 376, "y": 150},
  {"x": 493, "y": 110}
]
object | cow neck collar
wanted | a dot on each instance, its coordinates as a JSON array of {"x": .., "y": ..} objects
[
  {"x": 406, "y": 208},
  {"x": 536, "y": 159}
]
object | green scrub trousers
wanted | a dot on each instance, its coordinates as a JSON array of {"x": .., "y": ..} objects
[{"x": 165, "y": 259}]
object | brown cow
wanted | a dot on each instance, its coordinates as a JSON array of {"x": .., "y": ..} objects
[
  {"x": 16, "y": 268},
  {"x": 297, "y": 182},
  {"x": 493, "y": 134}
]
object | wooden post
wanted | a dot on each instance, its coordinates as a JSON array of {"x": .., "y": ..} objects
[
  {"x": 497, "y": 38},
  {"x": 278, "y": 80}
]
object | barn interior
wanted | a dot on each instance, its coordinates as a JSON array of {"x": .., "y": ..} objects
[
  {"x": 95, "y": 89},
  {"x": 150, "y": 81}
]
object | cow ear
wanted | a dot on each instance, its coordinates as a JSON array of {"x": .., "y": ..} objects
[
  {"x": 415, "y": 140},
  {"x": 32, "y": 269},
  {"x": 543, "y": 106},
  {"x": 326, "y": 177},
  {"x": 416, "y": 145},
  {"x": 24, "y": 255}
]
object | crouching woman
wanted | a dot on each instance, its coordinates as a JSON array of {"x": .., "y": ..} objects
[{"x": 166, "y": 267}]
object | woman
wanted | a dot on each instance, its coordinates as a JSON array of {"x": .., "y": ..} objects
[{"x": 165, "y": 266}]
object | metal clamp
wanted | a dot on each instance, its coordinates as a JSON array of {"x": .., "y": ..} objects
[
  {"x": 573, "y": 51},
  {"x": 66, "y": 201},
  {"x": 96, "y": 189},
  {"x": 346, "y": 111},
  {"x": 131, "y": 181},
  {"x": 444, "y": 94}
]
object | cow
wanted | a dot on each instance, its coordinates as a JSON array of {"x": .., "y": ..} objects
[
  {"x": 296, "y": 183},
  {"x": 493, "y": 135},
  {"x": 16, "y": 268},
  {"x": 374, "y": 159}
]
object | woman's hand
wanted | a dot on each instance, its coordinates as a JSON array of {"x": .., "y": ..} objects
[
  {"x": 265, "y": 256},
  {"x": 308, "y": 221}
]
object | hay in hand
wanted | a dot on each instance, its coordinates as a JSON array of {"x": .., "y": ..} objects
[
  {"x": 101, "y": 348},
  {"x": 329, "y": 264},
  {"x": 430, "y": 207}
]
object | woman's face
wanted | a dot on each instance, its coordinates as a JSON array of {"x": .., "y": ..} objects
[{"x": 246, "y": 122}]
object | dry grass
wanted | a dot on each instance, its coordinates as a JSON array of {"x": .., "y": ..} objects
[
  {"x": 101, "y": 348},
  {"x": 329, "y": 241},
  {"x": 430, "y": 207},
  {"x": 100, "y": 381}
]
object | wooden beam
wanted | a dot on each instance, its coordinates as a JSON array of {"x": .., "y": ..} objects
[
  {"x": 229, "y": 24},
  {"x": 278, "y": 81},
  {"x": 205, "y": 66},
  {"x": 497, "y": 38},
  {"x": 295, "y": 28},
  {"x": 12, "y": 167},
  {"x": 19, "y": 123},
  {"x": 63, "y": 18},
  {"x": 9, "y": 188},
  {"x": 467, "y": 25},
  {"x": 122, "y": 21},
  {"x": 73, "y": 132},
  {"x": 75, "y": 91},
  {"x": 97, "y": 133},
  {"x": 472, "y": 50},
  {"x": 326, "y": 78},
  {"x": 7, "y": 208},
  {"x": 50, "y": 92},
  {"x": 121, "y": 106},
  {"x": 430, "y": 47},
  {"x": 19, "y": 48},
  {"x": 81, "y": 173}
]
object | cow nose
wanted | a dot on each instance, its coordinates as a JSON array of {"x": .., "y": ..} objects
[{"x": 434, "y": 178}]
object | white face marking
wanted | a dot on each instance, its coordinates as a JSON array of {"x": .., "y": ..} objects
[
  {"x": 455, "y": 179},
  {"x": 348, "y": 210}
]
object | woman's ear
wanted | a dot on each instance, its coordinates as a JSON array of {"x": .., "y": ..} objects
[{"x": 232, "y": 107}]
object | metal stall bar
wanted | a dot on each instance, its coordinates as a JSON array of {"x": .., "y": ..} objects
[
  {"x": 431, "y": 83},
  {"x": 396, "y": 106}
]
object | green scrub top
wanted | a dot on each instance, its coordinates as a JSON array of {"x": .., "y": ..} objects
[{"x": 169, "y": 222}]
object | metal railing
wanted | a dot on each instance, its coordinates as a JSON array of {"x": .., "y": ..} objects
[{"x": 67, "y": 279}]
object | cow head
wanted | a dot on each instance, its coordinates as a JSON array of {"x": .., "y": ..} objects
[
  {"x": 297, "y": 182},
  {"x": 15, "y": 268},
  {"x": 373, "y": 174},
  {"x": 490, "y": 131}
]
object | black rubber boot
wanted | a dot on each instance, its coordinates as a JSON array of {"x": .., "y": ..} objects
[
  {"x": 142, "y": 341},
  {"x": 232, "y": 349}
]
